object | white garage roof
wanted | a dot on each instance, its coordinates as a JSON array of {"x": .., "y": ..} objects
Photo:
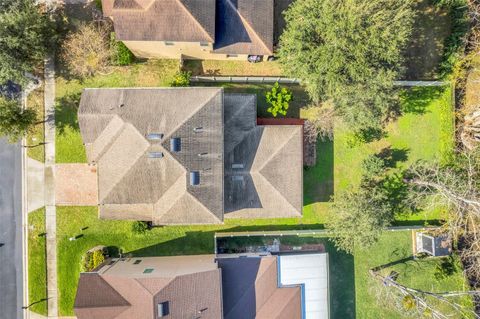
[{"x": 311, "y": 270}]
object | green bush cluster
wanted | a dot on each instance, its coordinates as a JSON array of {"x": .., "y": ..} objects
[
  {"x": 121, "y": 54},
  {"x": 278, "y": 99},
  {"x": 92, "y": 260},
  {"x": 139, "y": 227},
  {"x": 181, "y": 79}
]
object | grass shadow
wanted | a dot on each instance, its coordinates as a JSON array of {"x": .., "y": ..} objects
[
  {"x": 318, "y": 181},
  {"x": 66, "y": 109},
  {"x": 417, "y": 99}
]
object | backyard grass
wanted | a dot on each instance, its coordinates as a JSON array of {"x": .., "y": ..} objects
[
  {"x": 69, "y": 145},
  {"x": 431, "y": 28},
  {"x": 396, "y": 247},
  {"x": 425, "y": 131},
  {"x": 235, "y": 68},
  {"x": 37, "y": 268},
  {"x": 350, "y": 292},
  {"x": 36, "y": 138}
]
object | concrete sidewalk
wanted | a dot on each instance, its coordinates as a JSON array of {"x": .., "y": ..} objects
[{"x": 49, "y": 181}]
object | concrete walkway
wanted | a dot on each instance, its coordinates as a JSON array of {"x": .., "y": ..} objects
[
  {"x": 36, "y": 184},
  {"x": 49, "y": 180}
]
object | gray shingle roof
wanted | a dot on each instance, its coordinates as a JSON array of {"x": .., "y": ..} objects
[
  {"x": 246, "y": 170},
  {"x": 115, "y": 123}
]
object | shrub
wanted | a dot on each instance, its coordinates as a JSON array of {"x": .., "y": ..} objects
[
  {"x": 373, "y": 166},
  {"x": 15, "y": 122},
  {"x": 92, "y": 260},
  {"x": 98, "y": 4},
  {"x": 181, "y": 79},
  {"x": 278, "y": 99},
  {"x": 445, "y": 268},
  {"x": 139, "y": 227},
  {"x": 87, "y": 51},
  {"x": 121, "y": 54}
]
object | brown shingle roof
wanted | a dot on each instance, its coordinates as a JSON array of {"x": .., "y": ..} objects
[
  {"x": 163, "y": 20},
  {"x": 244, "y": 27},
  {"x": 250, "y": 289}
]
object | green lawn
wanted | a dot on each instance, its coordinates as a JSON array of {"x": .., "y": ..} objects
[
  {"x": 396, "y": 248},
  {"x": 349, "y": 277},
  {"x": 37, "y": 268},
  {"x": 171, "y": 240},
  {"x": 69, "y": 145},
  {"x": 36, "y": 138}
]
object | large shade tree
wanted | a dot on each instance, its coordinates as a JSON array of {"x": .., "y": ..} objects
[
  {"x": 15, "y": 122},
  {"x": 348, "y": 51},
  {"x": 26, "y": 32}
]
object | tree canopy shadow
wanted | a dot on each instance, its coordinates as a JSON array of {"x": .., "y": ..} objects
[
  {"x": 392, "y": 156},
  {"x": 417, "y": 99},
  {"x": 66, "y": 109}
]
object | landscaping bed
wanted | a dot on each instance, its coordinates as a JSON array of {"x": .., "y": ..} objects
[{"x": 36, "y": 137}]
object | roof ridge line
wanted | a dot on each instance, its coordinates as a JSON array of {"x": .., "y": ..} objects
[
  {"x": 194, "y": 19},
  {"x": 205, "y": 207},
  {"x": 131, "y": 166},
  {"x": 249, "y": 27},
  {"x": 178, "y": 197},
  {"x": 109, "y": 144},
  {"x": 168, "y": 283},
  {"x": 274, "y": 189},
  {"x": 273, "y": 154}
]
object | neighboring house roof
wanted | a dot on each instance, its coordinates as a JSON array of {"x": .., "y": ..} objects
[
  {"x": 162, "y": 20},
  {"x": 250, "y": 289},
  {"x": 234, "y": 26},
  {"x": 244, "y": 27},
  {"x": 115, "y": 123},
  {"x": 238, "y": 161},
  {"x": 123, "y": 290}
]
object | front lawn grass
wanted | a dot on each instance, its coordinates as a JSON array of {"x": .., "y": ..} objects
[
  {"x": 69, "y": 144},
  {"x": 37, "y": 267},
  {"x": 36, "y": 137}
]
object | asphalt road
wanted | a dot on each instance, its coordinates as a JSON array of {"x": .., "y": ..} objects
[{"x": 11, "y": 283}]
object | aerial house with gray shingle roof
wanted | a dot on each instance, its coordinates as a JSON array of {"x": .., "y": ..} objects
[
  {"x": 189, "y": 156},
  {"x": 194, "y": 29}
]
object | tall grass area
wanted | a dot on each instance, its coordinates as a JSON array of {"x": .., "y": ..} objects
[
  {"x": 36, "y": 137},
  {"x": 37, "y": 267}
]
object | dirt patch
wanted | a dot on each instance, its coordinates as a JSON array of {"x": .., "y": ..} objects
[{"x": 76, "y": 185}]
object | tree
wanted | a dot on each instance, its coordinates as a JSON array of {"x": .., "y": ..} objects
[
  {"x": 15, "y": 122},
  {"x": 278, "y": 99},
  {"x": 87, "y": 51},
  {"x": 359, "y": 217},
  {"x": 456, "y": 187},
  {"x": 26, "y": 32},
  {"x": 350, "y": 52}
]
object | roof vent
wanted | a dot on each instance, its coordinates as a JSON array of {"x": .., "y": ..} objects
[
  {"x": 194, "y": 178},
  {"x": 202, "y": 154},
  {"x": 175, "y": 144},
  {"x": 155, "y": 155},
  {"x": 121, "y": 105},
  {"x": 154, "y": 136},
  {"x": 198, "y": 129}
]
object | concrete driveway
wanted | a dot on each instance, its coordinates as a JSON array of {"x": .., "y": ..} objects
[{"x": 11, "y": 271}]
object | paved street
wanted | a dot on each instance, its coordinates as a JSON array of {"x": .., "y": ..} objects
[{"x": 11, "y": 291}]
